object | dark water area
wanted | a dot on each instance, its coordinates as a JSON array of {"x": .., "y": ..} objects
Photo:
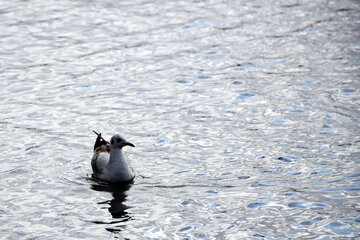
[{"x": 245, "y": 116}]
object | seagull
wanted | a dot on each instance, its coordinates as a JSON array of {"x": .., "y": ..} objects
[{"x": 108, "y": 161}]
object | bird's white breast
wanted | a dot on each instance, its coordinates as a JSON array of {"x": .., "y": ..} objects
[{"x": 113, "y": 167}]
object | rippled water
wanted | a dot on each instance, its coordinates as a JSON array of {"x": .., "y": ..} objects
[{"x": 245, "y": 116}]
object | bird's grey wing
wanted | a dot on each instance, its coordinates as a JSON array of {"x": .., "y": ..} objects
[{"x": 99, "y": 162}]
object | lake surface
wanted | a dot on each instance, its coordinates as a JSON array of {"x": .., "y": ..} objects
[{"x": 245, "y": 116}]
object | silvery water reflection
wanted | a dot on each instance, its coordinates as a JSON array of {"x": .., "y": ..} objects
[{"x": 244, "y": 115}]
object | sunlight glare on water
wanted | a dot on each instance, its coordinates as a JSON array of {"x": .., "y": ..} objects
[{"x": 245, "y": 116}]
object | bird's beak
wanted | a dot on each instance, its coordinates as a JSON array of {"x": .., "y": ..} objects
[{"x": 129, "y": 144}]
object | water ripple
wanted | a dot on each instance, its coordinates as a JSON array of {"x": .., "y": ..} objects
[{"x": 240, "y": 111}]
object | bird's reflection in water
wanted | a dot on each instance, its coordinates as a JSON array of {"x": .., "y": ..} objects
[{"x": 117, "y": 206}]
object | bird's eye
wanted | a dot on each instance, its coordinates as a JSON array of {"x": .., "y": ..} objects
[
  {"x": 112, "y": 141},
  {"x": 118, "y": 140}
]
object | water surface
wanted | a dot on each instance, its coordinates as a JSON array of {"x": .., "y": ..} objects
[{"x": 245, "y": 116}]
